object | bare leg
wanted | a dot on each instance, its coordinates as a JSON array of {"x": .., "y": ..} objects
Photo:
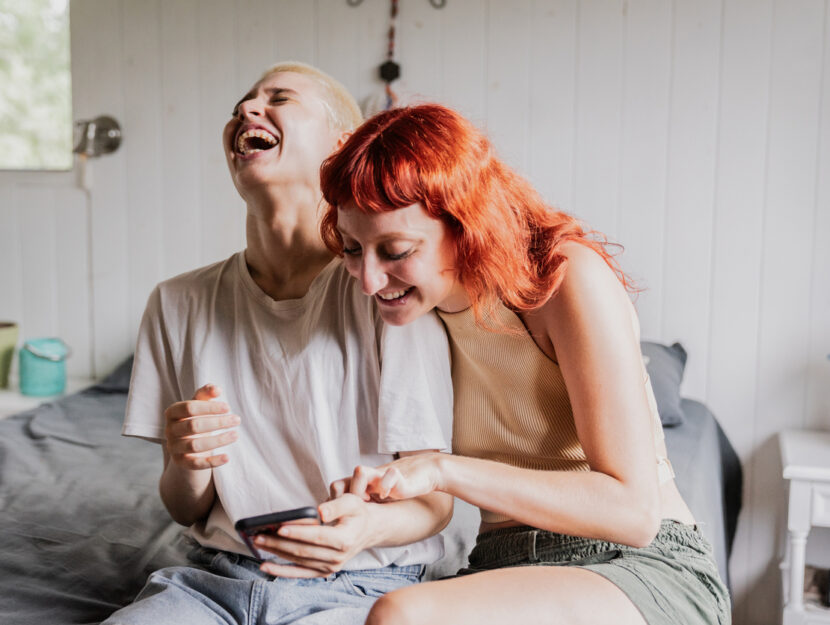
[{"x": 530, "y": 595}]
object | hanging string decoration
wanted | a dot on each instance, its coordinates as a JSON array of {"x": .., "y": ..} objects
[{"x": 389, "y": 72}]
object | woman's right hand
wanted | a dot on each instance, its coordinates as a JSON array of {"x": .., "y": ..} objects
[
  {"x": 405, "y": 478},
  {"x": 195, "y": 428}
]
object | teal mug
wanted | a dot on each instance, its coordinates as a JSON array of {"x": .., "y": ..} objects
[{"x": 43, "y": 366}]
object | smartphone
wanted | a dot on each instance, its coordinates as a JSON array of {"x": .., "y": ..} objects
[{"x": 251, "y": 526}]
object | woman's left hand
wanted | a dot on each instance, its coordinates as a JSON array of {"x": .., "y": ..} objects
[{"x": 405, "y": 478}]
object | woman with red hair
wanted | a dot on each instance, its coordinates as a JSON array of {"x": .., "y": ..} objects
[{"x": 556, "y": 436}]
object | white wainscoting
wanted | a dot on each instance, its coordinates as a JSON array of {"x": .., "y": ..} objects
[{"x": 695, "y": 132}]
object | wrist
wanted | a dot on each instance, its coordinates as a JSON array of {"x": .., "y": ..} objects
[{"x": 443, "y": 472}]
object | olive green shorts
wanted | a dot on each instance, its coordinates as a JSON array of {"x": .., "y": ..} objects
[{"x": 673, "y": 580}]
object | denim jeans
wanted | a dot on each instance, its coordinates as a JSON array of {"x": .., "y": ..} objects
[{"x": 229, "y": 589}]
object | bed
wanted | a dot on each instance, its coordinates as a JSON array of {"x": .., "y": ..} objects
[{"x": 81, "y": 524}]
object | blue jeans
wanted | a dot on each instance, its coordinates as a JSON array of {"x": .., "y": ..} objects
[{"x": 229, "y": 589}]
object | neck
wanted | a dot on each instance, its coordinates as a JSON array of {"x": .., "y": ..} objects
[{"x": 284, "y": 252}]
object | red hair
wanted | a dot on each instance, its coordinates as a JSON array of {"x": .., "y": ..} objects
[{"x": 507, "y": 241}]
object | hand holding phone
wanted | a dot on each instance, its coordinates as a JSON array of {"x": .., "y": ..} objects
[{"x": 250, "y": 527}]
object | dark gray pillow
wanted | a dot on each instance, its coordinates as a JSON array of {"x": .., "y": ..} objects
[{"x": 665, "y": 365}]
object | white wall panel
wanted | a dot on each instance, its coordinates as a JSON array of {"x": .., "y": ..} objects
[
  {"x": 181, "y": 141},
  {"x": 552, "y": 100},
  {"x": 38, "y": 260},
  {"x": 462, "y": 64},
  {"x": 789, "y": 214},
  {"x": 599, "y": 63},
  {"x": 690, "y": 183},
  {"x": 142, "y": 153},
  {"x": 737, "y": 245},
  {"x": 222, "y": 211},
  {"x": 645, "y": 98},
  {"x": 72, "y": 322}
]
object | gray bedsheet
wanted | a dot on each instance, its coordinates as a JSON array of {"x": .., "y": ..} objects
[{"x": 81, "y": 524}]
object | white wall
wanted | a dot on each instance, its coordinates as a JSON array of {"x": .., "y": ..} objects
[{"x": 695, "y": 132}]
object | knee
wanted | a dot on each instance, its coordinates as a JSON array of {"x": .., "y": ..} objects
[{"x": 393, "y": 608}]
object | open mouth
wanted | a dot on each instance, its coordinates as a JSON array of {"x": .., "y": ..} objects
[
  {"x": 255, "y": 140},
  {"x": 395, "y": 297}
]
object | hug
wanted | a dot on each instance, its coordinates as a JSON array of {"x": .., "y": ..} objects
[{"x": 409, "y": 323}]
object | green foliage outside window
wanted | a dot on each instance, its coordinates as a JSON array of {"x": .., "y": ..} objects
[{"x": 35, "y": 85}]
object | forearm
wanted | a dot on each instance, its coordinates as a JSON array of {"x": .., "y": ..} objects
[
  {"x": 406, "y": 521},
  {"x": 187, "y": 494},
  {"x": 583, "y": 503}
]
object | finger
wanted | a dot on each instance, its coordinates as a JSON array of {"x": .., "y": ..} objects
[
  {"x": 334, "y": 509},
  {"x": 199, "y": 444},
  {"x": 197, "y": 462},
  {"x": 194, "y": 408},
  {"x": 206, "y": 392},
  {"x": 339, "y": 487},
  {"x": 360, "y": 481},
  {"x": 296, "y": 550},
  {"x": 201, "y": 425},
  {"x": 289, "y": 570},
  {"x": 388, "y": 482}
]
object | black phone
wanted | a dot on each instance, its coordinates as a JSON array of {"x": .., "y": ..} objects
[{"x": 251, "y": 526}]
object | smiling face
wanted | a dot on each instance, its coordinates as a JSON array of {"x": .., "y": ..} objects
[
  {"x": 279, "y": 133},
  {"x": 404, "y": 258}
]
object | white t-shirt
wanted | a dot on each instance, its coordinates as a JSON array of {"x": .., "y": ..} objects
[{"x": 305, "y": 377}]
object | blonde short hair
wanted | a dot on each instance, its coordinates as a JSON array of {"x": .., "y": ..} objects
[{"x": 344, "y": 113}]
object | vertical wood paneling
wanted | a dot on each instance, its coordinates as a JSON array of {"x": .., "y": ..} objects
[
  {"x": 223, "y": 212},
  {"x": 72, "y": 278},
  {"x": 598, "y": 106},
  {"x": 462, "y": 58},
  {"x": 255, "y": 43},
  {"x": 98, "y": 87},
  {"x": 645, "y": 123},
  {"x": 508, "y": 81},
  {"x": 737, "y": 238},
  {"x": 11, "y": 295},
  {"x": 142, "y": 153},
  {"x": 294, "y": 25},
  {"x": 818, "y": 395},
  {"x": 552, "y": 99},
  {"x": 418, "y": 43},
  {"x": 338, "y": 46},
  {"x": 181, "y": 141},
  {"x": 691, "y": 183},
  {"x": 785, "y": 288},
  {"x": 38, "y": 260}
]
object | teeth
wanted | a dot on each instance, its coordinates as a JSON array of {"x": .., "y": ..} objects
[
  {"x": 241, "y": 143},
  {"x": 395, "y": 295}
]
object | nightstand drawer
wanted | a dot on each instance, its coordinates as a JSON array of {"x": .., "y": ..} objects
[{"x": 821, "y": 505}]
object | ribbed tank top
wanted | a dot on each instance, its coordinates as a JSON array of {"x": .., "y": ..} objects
[{"x": 511, "y": 404}]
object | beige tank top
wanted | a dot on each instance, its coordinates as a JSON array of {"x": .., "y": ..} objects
[{"x": 511, "y": 404}]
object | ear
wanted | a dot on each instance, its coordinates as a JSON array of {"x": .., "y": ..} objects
[{"x": 344, "y": 136}]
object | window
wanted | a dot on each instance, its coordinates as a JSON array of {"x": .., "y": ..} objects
[{"x": 35, "y": 98}]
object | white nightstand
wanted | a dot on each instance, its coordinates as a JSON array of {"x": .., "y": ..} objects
[
  {"x": 805, "y": 456},
  {"x": 13, "y": 401}
]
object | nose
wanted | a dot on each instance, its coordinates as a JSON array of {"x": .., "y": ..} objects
[
  {"x": 372, "y": 276},
  {"x": 249, "y": 108}
]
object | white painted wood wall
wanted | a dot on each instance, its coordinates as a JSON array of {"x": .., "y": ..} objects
[{"x": 695, "y": 132}]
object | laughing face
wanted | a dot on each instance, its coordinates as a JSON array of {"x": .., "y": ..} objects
[
  {"x": 404, "y": 258},
  {"x": 279, "y": 133}
]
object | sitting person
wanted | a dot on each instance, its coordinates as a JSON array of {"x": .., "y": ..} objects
[
  {"x": 556, "y": 436},
  {"x": 306, "y": 382}
]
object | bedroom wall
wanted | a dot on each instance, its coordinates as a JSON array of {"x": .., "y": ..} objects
[{"x": 695, "y": 132}]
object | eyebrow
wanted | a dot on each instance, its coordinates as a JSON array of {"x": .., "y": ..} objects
[
  {"x": 409, "y": 236},
  {"x": 271, "y": 91}
]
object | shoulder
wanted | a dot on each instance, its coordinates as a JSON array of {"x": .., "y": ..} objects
[{"x": 589, "y": 295}]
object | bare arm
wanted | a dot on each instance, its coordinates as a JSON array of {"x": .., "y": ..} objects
[
  {"x": 186, "y": 485},
  {"x": 589, "y": 322}
]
